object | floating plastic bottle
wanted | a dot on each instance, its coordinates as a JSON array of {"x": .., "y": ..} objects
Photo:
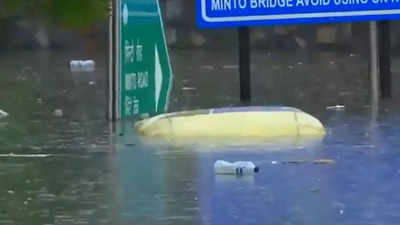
[
  {"x": 238, "y": 168},
  {"x": 58, "y": 113},
  {"x": 82, "y": 65}
]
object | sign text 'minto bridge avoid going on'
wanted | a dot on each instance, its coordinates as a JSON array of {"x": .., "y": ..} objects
[{"x": 234, "y": 13}]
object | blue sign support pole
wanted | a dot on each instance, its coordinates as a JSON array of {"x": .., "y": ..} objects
[
  {"x": 374, "y": 63},
  {"x": 244, "y": 65},
  {"x": 384, "y": 59}
]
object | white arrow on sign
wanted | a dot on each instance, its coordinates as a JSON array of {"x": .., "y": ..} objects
[{"x": 158, "y": 76}]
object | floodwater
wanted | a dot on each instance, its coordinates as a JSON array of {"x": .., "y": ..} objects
[{"x": 78, "y": 169}]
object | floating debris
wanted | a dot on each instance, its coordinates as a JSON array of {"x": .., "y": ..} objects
[
  {"x": 324, "y": 161},
  {"x": 3, "y": 114},
  {"x": 296, "y": 162},
  {"x": 92, "y": 83},
  {"x": 12, "y": 155},
  {"x": 11, "y": 192},
  {"x": 315, "y": 190},
  {"x": 189, "y": 88},
  {"x": 58, "y": 113},
  {"x": 23, "y": 78},
  {"x": 208, "y": 67},
  {"x": 317, "y": 161},
  {"x": 82, "y": 65},
  {"x": 336, "y": 107},
  {"x": 230, "y": 67}
]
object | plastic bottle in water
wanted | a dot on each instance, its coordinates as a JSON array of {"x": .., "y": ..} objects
[
  {"x": 236, "y": 168},
  {"x": 82, "y": 65}
]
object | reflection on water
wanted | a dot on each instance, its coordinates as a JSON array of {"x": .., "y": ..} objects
[
  {"x": 155, "y": 184},
  {"x": 205, "y": 80},
  {"x": 94, "y": 176}
]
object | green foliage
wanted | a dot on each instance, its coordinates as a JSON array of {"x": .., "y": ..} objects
[
  {"x": 11, "y": 7},
  {"x": 66, "y": 13},
  {"x": 75, "y": 13}
]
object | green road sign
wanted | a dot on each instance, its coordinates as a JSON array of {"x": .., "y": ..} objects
[{"x": 144, "y": 71}]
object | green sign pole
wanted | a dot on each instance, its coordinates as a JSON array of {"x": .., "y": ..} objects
[{"x": 144, "y": 75}]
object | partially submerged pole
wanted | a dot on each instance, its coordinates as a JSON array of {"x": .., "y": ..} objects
[
  {"x": 244, "y": 65},
  {"x": 384, "y": 59},
  {"x": 374, "y": 61},
  {"x": 110, "y": 77}
]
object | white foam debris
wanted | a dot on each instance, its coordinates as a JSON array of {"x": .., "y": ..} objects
[
  {"x": 58, "y": 113},
  {"x": 336, "y": 107},
  {"x": 3, "y": 114},
  {"x": 189, "y": 88}
]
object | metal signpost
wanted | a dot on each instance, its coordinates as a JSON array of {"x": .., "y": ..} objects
[
  {"x": 142, "y": 74},
  {"x": 384, "y": 59},
  {"x": 244, "y": 13}
]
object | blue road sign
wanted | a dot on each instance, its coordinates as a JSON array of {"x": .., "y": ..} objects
[{"x": 235, "y": 13}]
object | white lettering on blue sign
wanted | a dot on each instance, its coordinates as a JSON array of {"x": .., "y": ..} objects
[
  {"x": 254, "y": 4},
  {"x": 214, "y": 13},
  {"x": 228, "y": 4}
]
